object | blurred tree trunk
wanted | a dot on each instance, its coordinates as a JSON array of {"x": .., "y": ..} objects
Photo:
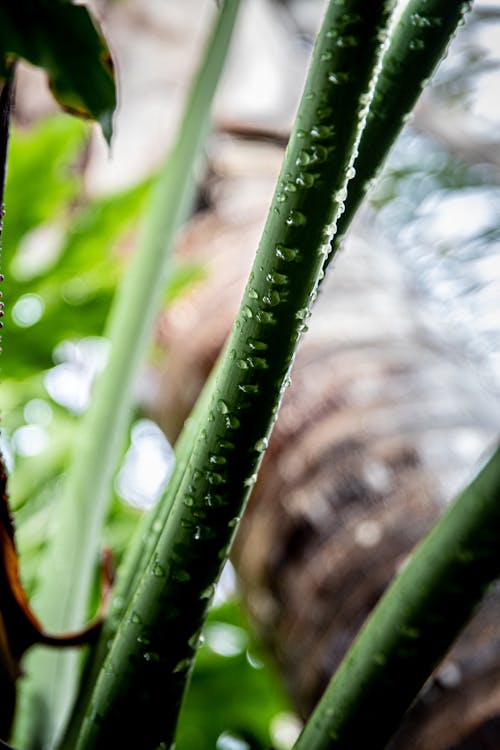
[{"x": 381, "y": 427}]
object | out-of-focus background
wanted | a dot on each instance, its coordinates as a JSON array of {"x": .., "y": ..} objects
[{"x": 395, "y": 395}]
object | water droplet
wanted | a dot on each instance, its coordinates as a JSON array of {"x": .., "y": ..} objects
[
  {"x": 214, "y": 477},
  {"x": 326, "y": 56},
  {"x": 157, "y": 526},
  {"x": 321, "y": 153},
  {"x": 303, "y": 159},
  {"x": 250, "y": 481},
  {"x": 281, "y": 197},
  {"x": 247, "y": 312},
  {"x": 242, "y": 364},
  {"x": 249, "y": 388},
  {"x": 256, "y": 345},
  {"x": 118, "y": 602},
  {"x": 339, "y": 78},
  {"x": 232, "y": 422},
  {"x": 208, "y": 592},
  {"x": 253, "y": 294},
  {"x": 340, "y": 195},
  {"x": 143, "y": 639},
  {"x": 216, "y": 458},
  {"x": 182, "y": 665},
  {"x": 280, "y": 279},
  {"x": 347, "y": 41},
  {"x": 194, "y": 641},
  {"x": 350, "y": 173},
  {"x": 422, "y": 22},
  {"x": 234, "y": 522},
  {"x": 258, "y": 363},
  {"x": 225, "y": 444},
  {"x": 265, "y": 317},
  {"x": 417, "y": 45},
  {"x": 261, "y": 445},
  {"x": 95, "y": 717},
  {"x": 306, "y": 179},
  {"x": 286, "y": 253},
  {"x": 301, "y": 133},
  {"x": 302, "y": 314},
  {"x": 189, "y": 501},
  {"x": 151, "y": 656},
  {"x": 347, "y": 19},
  {"x": 222, "y": 406},
  {"x": 213, "y": 500},
  {"x": 158, "y": 570},
  {"x": 135, "y": 618},
  {"x": 271, "y": 298},
  {"x": 322, "y": 131}
]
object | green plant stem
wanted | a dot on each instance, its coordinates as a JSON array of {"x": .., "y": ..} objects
[
  {"x": 414, "y": 624},
  {"x": 417, "y": 43},
  {"x": 138, "y": 555},
  {"x": 147, "y": 668},
  {"x": 69, "y": 570}
]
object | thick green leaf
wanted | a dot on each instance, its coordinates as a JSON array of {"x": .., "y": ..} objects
[{"x": 62, "y": 38}]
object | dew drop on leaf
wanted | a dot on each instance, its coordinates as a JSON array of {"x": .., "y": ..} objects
[
  {"x": 287, "y": 254},
  {"x": 222, "y": 407},
  {"x": 296, "y": 219},
  {"x": 261, "y": 445}
]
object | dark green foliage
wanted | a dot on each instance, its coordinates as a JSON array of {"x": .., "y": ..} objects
[{"x": 61, "y": 38}]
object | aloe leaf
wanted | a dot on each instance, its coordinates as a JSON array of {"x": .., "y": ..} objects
[
  {"x": 147, "y": 668},
  {"x": 62, "y": 38},
  {"x": 417, "y": 43},
  {"x": 414, "y": 623},
  {"x": 68, "y": 571}
]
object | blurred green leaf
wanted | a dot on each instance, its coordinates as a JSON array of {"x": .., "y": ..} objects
[
  {"x": 72, "y": 278},
  {"x": 62, "y": 38},
  {"x": 40, "y": 180}
]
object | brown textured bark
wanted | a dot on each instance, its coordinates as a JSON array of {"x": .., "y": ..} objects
[{"x": 380, "y": 428}]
